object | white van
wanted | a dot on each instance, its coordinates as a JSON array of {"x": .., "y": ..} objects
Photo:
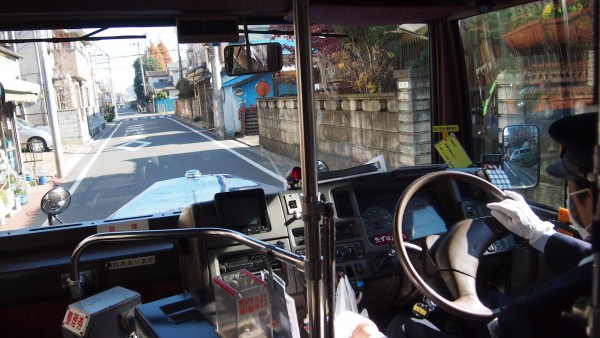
[{"x": 518, "y": 154}]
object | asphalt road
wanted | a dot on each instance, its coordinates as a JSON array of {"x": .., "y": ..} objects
[{"x": 140, "y": 149}]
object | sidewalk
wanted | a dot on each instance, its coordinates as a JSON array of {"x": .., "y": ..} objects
[{"x": 24, "y": 216}]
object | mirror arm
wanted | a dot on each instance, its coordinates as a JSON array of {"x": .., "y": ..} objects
[
  {"x": 246, "y": 35},
  {"x": 247, "y": 47}
]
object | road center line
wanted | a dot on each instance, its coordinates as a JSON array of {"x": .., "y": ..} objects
[
  {"x": 92, "y": 161},
  {"x": 220, "y": 144}
]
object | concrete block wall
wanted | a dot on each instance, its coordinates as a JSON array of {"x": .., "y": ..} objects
[
  {"x": 73, "y": 130},
  {"x": 96, "y": 124},
  {"x": 183, "y": 109},
  {"x": 359, "y": 126}
]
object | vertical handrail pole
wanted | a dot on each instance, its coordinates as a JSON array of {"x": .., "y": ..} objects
[
  {"x": 310, "y": 201},
  {"x": 329, "y": 275}
]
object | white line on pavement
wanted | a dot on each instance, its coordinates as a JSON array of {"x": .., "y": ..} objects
[
  {"x": 220, "y": 144},
  {"x": 91, "y": 162}
]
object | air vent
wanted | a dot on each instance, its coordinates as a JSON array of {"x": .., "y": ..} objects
[
  {"x": 465, "y": 190},
  {"x": 343, "y": 204}
]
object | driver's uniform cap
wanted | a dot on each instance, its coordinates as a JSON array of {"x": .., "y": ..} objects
[{"x": 577, "y": 136}]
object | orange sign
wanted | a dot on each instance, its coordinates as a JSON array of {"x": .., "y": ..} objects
[{"x": 262, "y": 88}]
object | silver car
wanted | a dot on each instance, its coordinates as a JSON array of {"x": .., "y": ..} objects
[{"x": 34, "y": 139}]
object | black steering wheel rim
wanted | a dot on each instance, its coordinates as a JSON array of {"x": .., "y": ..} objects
[{"x": 468, "y": 304}]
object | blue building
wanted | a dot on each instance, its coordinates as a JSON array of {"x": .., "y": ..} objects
[{"x": 242, "y": 90}]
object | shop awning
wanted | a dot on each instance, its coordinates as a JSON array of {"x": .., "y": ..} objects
[{"x": 20, "y": 91}]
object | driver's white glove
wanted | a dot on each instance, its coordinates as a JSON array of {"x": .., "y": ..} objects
[
  {"x": 353, "y": 325},
  {"x": 516, "y": 215}
]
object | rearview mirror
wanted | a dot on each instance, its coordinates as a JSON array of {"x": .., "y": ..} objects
[
  {"x": 521, "y": 155},
  {"x": 253, "y": 59}
]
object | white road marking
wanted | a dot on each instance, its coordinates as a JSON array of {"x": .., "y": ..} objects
[
  {"x": 87, "y": 168},
  {"x": 220, "y": 144},
  {"x": 92, "y": 161},
  {"x": 129, "y": 145}
]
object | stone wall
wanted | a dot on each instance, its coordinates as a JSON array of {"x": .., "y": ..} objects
[
  {"x": 96, "y": 123},
  {"x": 358, "y": 126},
  {"x": 184, "y": 109},
  {"x": 73, "y": 130}
]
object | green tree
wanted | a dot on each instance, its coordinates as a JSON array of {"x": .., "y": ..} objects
[
  {"x": 161, "y": 95},
  {"x": 109, "y": 113},
  {"x": 150, "y": 63},
  {"x": 185, "y": 88}
]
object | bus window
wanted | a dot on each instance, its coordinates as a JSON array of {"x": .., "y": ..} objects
[{"x": 529, "y": 65}]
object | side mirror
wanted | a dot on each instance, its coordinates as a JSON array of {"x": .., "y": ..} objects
[
  {"x": 55, "y": 202},
  {"x": 322, "y": 167},
  {"x": 253, "y": 59},
  {"x": 521, "y": 155}
]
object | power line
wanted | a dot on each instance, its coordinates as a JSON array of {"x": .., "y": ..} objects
[{"x": 136, "y": 55}]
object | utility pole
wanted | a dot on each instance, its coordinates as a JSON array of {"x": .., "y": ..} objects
[
  {"x": 112, "y": 86},
  {"x": 217, "y": 99},
  {"x": 38, "y": 59},
  {"x": 142, "y": 70},
  {"x": 51, "y": 101},
  {"x": 181, "y": 80}
]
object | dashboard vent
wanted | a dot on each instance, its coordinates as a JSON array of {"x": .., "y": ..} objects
[
  {"x": 343, "y": 204},
  {"x": 465, "y": 190}
]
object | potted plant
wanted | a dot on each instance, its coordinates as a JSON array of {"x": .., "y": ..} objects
[
  {"x": 4, "y": 205},
  {"x": 544, "y": 22},
  {"x": 20, "y": 190}
]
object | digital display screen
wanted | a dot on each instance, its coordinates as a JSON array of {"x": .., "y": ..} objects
[{"x": 244, "y": 210}]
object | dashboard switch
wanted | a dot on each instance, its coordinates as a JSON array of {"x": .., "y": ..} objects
[{"x": 292, "y": 203}]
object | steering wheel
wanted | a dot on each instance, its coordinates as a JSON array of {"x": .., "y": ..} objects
[{"x": 457, "y": 252}]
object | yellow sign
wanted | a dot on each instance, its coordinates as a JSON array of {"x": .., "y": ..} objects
[
  {"x": 448, "y": 128},
  {"x": 452, "y": 152}
]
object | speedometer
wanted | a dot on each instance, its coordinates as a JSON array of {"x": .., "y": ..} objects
[{"x": 379, "y": 225}]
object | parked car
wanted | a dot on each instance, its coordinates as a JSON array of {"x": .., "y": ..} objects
[
  {"x": 34, "y": 139},
  {"x": 518, "y": 154}
]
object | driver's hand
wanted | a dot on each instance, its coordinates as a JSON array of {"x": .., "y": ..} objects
[
  {"x": 350, "y": 324},
  {"x": 516, "y": 215}
]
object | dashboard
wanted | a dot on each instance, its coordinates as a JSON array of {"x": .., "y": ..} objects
[
  {"x": 364, "y": 224},
  {"x": 364, "y": 210},
  {"x": 364, "y": 215}
]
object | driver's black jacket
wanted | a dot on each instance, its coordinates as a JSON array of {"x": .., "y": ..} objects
[{"x": 540, "y": 313}]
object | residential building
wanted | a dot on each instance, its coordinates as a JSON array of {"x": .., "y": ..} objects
[
  {"x": 161, "y": 81},
  {"x": 75, "y": 89},
  {"x": 77, "y": 94},
  {"x": 17, "y": 93},
  {"x": 199, "y": 78}
]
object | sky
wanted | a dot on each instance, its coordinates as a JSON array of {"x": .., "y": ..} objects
[{"x": 124, "y": 52}]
